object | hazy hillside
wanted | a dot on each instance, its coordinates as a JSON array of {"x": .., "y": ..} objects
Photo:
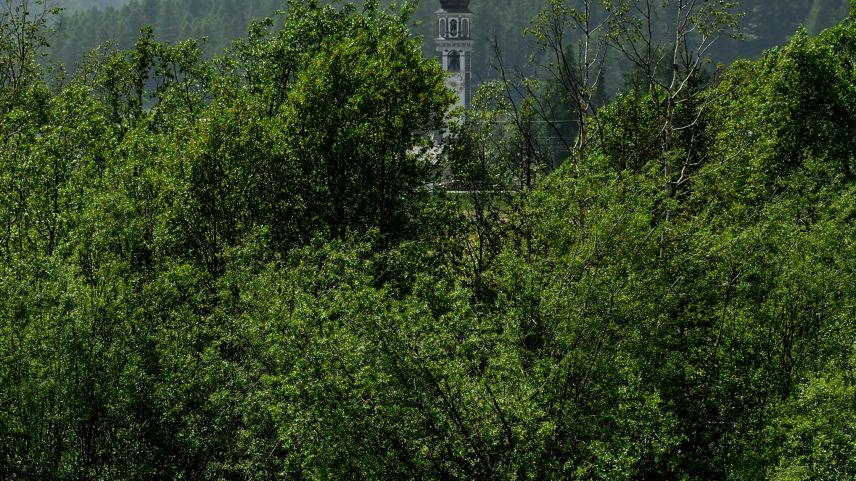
[
  {"x": 767, "y": 23},
  {"x": 78, "y": 5},
  {"x": 221, "y": 21}
]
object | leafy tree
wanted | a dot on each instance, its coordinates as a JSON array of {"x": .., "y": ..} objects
[{"x": 23, "y": 38}]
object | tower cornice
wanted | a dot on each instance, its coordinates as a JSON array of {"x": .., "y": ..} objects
[{"x": 455, "y": 5}]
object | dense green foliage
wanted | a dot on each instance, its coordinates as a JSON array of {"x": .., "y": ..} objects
[{"x": 233, "y": 269}]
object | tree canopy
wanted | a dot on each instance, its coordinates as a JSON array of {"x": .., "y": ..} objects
[{"x": 244, "y": 267}]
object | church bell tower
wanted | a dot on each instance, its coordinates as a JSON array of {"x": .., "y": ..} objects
[{"x": 455, "y": 46}]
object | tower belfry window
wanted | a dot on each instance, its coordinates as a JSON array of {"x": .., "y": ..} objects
[
  {"x": 454, "y": 61},
  {"x": 453, "y": 28}
]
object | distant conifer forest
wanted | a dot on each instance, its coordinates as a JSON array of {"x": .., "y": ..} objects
[{"x": 86, "y": 24}]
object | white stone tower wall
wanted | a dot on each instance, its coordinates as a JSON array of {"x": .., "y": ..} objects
[{"x": 454, "y": 46}]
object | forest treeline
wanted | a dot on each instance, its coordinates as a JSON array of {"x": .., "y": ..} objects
[
  {"x": 85, "y": 26},
  {"x": 245, "y": 268}
]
